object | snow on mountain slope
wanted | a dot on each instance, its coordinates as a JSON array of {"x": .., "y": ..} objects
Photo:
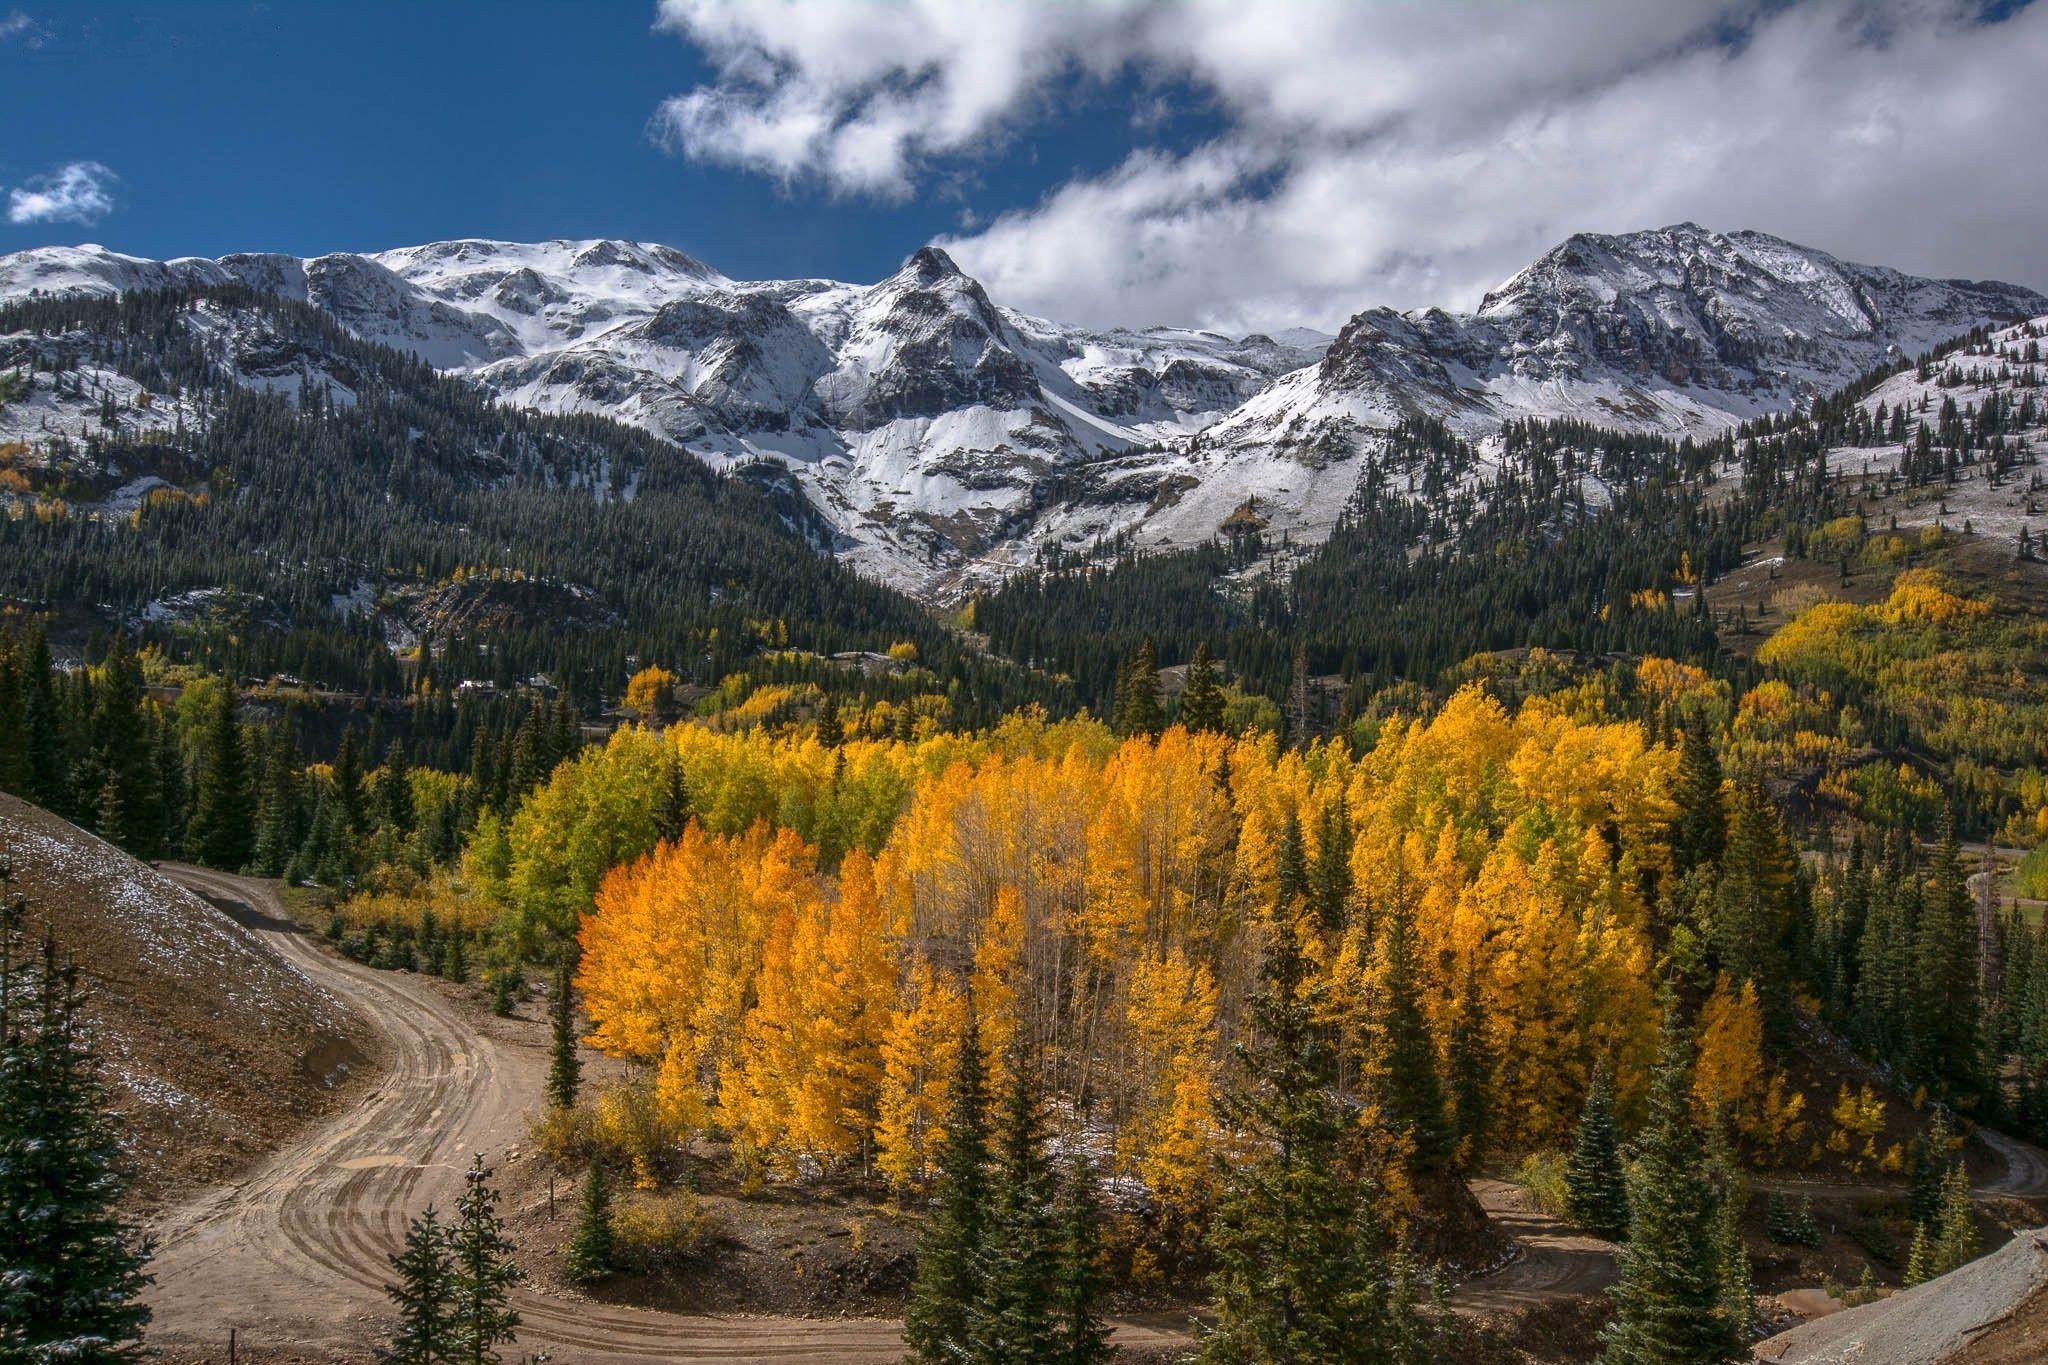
[
  {"x": 948, "y": 439},
  {"x": 1678, "y": 330}
]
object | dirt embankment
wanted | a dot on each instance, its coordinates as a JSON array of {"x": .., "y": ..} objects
[{"x": 217, "y": 1048}]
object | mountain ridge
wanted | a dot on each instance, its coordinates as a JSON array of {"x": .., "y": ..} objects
[{"x": 948, "y": 440}]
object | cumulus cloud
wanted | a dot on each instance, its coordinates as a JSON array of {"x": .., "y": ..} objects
[
  {"x": 1400, "y": 154},
  {"x": 77, "y": 192},
  {"x": 15, "y": 25}
]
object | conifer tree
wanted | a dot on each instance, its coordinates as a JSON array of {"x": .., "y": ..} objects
[
  {"x": 1300, "y": 1273},
  {"x": 1668, "y": 1303},
  {"x": 1079, "y": 1337},
  {"x": 49, "y": 769},
  {"x": 1012, "y": 1315},
  {"x": 121, "y": 773},
  {"x": 589, "y": 1255},
  {"x": 1290, "y": 875},
  {"x": 1738, "y": 1286},
  {"x": 169, "y": 762},
  {"x": 831, "y": 733},
  {"x": 70, "y": 1267},
  {"x": 674, "y": 811},
  {"x": 1409, "y": 1091},
  {"x": 277, "y": 810},
  {"x": 424, "y": 1294},
  {"x": 1331, "y": 882},
  {"x": 483, "y": 1275},
  {"x": 565, "y": 1070},
  {"x": 1139, "y": 712},
  {"x": 1701, "y": 829},
  {"x": 394, "y": 791},
  {"x": 1596, "y": 1186},
  {"x": 938, "y": 1322},
  {"x": 345, "y": 776},
  {"x": 1754, "y": 905},
  {"x": 1201, "y": 700},
  {"x": 223, "y": 814},
  {"x": 1471, "y": 1065}
]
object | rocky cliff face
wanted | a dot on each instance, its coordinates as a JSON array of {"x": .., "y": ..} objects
[{"x": 947, "y": 438}]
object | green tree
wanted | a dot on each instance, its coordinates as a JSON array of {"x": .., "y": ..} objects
[
  {"x": 1300, "y": 1272},
  {"x": 1079, "y": 1337},
  {"x": 1596, "y": 1186},
  {"x": 394, "y": 791},
  {"x": 1201, "y": 700},
  {"x": 1330, "y": 882},
  {"x": 565, "y": 1071},
  {"x": 49, "y": 768},
  {"x": 1701, "y": 829},
  {"x": 1408, "y": 1088},
  {"x": 278, "y": 812},
  {"x": 71, "y": 1269},
  {"x": 589, "y": 1256},
  {"x": 223, "y": 812},
  {"x": 1668, "y": 1303},
  {"x": 1138, "y": 709},
  {"x": 938, "y": 1323},
  {"x": 483, "y": 1274},
  {"x": 1471, "y": 1064},
  {"x": 1012, "y": 1317},
  {"x": 423, "y": 1294}
]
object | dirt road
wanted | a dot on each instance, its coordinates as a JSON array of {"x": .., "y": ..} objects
[
  {"x": 1556, "y": 1262},
  {"x": 295, "y": 1255}
]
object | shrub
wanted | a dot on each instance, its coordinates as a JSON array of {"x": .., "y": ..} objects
[
  {"x": 1543, "y": 1173},
  {"x": 650, "y": 1231}
]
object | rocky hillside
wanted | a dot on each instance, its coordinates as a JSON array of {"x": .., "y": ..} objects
[
  {"x": 946, "y": 439},
  {"x": 215, "y": 1047}
]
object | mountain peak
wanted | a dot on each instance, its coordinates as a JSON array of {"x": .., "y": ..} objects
[{"x": 930, "y": 264}]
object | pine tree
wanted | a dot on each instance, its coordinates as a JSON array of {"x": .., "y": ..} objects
[
  {"x": 1668, "y": 1303},
  {"x": 1596, "y": 1186},
  {"x": 346, "y": 778},
  {"x": 1471, "y": 1065},
  {"x": 424, "y": 1294},
  {"x": 483, "y": 1275},
  {"x": 1738, "y": 1285},
  {"x": 1201, "y": 700},
  {"x": 674, "y": 811},
  {"x": 1330, "y": 882},
  {"x": 1955, "y": 1227},
  {"x": 394, "y": 791},
  {"x": 564, "y": 1069},
  {"x": 169, "y": 763},
  {"x": 1409, "y": 1091},
  {"x": 589, "y": 1255},
  {"x": 119, "y": 764},
  {"x": 223, "y": 813},
  {"x": 1079, "y": 1337},
  {"x": 73, "y": 1268},
  {"x": 278, "y": 835},
  {"x": 1290, "y": 875},
  {"x": 831, "y": 733},
  {"x": 1012, "y": 1317},
  {"x": 1300, "y": 1273},
  {"x": 1139, "y": 712},
  {"x": 939, "y": 1320},
  {"x": 1701, "y": 829}
]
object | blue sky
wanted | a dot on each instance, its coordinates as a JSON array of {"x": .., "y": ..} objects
[
  {"x": 1235, "y": 164},
  {"x": 314, "y": 127}
]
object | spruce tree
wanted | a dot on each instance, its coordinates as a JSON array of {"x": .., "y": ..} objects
[
  {"x": 1141, "y": 712},
  {"x": 589, "y": 1255},
  {"x": 424, "y": 1294},
  {"x": 1471, "y": 1065},
  {"x": 1290, "y": 874},
  {"x": 1701, "y": 829},
  {"x": 49, "y": 767},
  {"x": 223, "y": 812},
  {"x": 673, "y": 812},
  {"x": 565, "y": 1070},
  {"x": 1409, "y": 1091},
  {"x": 483, "y": 1274},
  {"x": 1201, "y": 700},
  {"x": 1330, "y": 881},
  {"x": 1012, "y": 1317},
  {"x": 1596, "y": 1188},
  {"x": 278, "y": 835},
  {"x": 394, "y": 792},
  {"x": 1079, "y": 1337},
  {"x": 71, "y": 1269},
  {"x": 1300, "y": 1272},
  {"x": 1668, "y": 1303},
  {"x": 938, "y": 1322}
]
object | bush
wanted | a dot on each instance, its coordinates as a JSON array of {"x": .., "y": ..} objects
[
  {"x": 650, "y": 1231},
  {"x": 1543, "y": 1173},
  {"x": 1789, "y": 1224}
]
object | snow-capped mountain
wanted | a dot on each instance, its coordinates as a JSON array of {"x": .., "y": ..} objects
[
  {"x": 1678, "y": 331},
  {"x": 947, "y": 438}
]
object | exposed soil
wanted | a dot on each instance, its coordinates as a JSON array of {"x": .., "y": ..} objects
[{"x": 216, "y": 1047}]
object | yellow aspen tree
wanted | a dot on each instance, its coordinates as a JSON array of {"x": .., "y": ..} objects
[{"x": 918, "y": 1050}]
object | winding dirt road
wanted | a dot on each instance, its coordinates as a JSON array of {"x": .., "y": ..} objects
[
  {"x": 295, "y": 1255},
  {"x": 1556, "y": 1261}
]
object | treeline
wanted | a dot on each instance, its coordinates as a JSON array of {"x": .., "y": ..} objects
[{"x": 296, "y": 514}]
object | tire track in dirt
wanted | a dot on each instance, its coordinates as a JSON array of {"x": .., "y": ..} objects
[
  {"x": 296, "y": 1253},
  {"x": 1556, "y": 1262}
]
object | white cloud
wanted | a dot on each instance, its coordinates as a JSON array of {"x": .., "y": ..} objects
[
  {"x": 1401, "y": 153},
  {"x": 15, "y": 24},
  {"x": 77, "y": 192}
]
